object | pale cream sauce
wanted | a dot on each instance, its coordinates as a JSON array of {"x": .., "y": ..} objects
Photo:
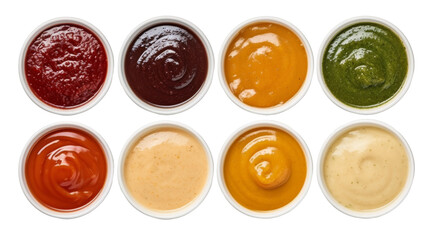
[
  {"x": 166, "y": 169},
  {"x": 366, "y": 168}
]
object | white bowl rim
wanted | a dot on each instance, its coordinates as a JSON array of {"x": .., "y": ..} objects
[
  {"x": 101, "y": 195},
  {"x": 198, "y": 95},
  {"x": 376, "y": 212},
  {"x": 288, "y": 207},
  {"x": 107, "y": 81},
  {"x": 398, "y": 95},
  {"x": 172, "y": 213},
  {"x": 292, "y": 101}
]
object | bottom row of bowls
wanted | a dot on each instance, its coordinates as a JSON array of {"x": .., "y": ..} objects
[{"x": 365, "y": 169}]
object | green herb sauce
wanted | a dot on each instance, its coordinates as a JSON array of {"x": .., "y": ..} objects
[{"x": 365, "y": 65}]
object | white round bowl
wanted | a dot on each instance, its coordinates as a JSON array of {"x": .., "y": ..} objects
[
  {"x": 102, "y": 91},
  {"x": 398, "y": 95},
  {"x": 376, "y": 212},
  {"x": 273, "y": 213},
  {"x": 291, "y": 102},
  {"x": 96, "y": 201},
  {"x": 176, "y": 213},
  {"x": 210, "y": 67}
]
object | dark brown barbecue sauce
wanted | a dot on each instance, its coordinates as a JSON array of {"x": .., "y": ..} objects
[{"x": 166, "y": 65}]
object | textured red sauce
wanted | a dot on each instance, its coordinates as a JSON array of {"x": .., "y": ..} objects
[
  {"x": 66, "y": 169},
  {"x": 66, "y": 65}
]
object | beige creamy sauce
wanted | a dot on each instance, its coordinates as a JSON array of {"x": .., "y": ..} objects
[
  {"x": 166, "y": 169},
  {"x": 366, "y": 168}
]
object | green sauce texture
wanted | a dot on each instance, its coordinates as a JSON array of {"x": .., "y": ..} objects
[{"x": 365, "y": 65}]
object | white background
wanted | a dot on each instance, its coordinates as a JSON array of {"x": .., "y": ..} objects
[{"x": 215, "y": 117}]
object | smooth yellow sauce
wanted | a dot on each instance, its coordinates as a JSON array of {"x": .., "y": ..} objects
[
  {"x": 166, "y": 169},
  {"x": 265, "y": 169},
  {"x": 366, "y": 168},
  {"x": 265, "y": 64}
]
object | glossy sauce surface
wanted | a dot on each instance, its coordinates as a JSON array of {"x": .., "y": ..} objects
[
  {"x": 365, "y": 65},
  {"x": 366, "y": 168},
  {"x": 166, "y": 169},
  {"x": 66, "y": 66},
  {"x": 66, "y": 169},
  {"x": 265, "y": 64},
  {"x": 265, "y": 169},
  {"x": 166, "y": 65}
]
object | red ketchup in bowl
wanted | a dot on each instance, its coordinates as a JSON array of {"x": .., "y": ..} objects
[{"x": 66, "y": 169}]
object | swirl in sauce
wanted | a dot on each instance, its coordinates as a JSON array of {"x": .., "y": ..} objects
[
  {"x": 66, "y": 66},
  {"x": 66, "y": 169},
  {"x": 365, "y": 65},
  {"x": 166, "y": 65},
  {"x": 366, "y": 168},
  {"x": 265, "y": 169}
]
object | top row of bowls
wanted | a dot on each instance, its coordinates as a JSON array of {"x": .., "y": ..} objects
[{"x": 166, "y": 65}]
